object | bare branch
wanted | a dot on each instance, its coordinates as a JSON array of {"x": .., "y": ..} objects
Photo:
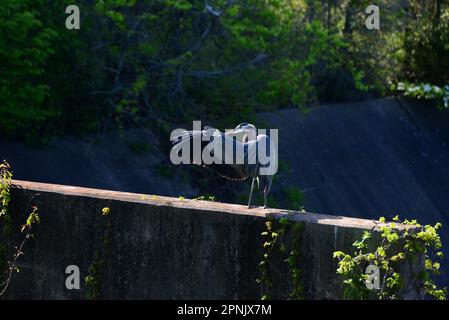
[
  {"x": 217, "y": 74},
  {"x": 215, "y": 12}
]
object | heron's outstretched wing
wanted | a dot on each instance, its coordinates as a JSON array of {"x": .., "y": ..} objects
[
  {"x": 230, "y": 157},
  {"x": 184, "y": 142}
]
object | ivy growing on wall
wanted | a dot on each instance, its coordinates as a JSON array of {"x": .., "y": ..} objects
[
  {"x": 9, "y": 255},
  {"x": 397, "y": 247},
  {"x": 281, "y": 237},
  {"x": 95, "y": 277}
]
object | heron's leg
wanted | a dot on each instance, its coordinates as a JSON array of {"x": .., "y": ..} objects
[
  {"x": 265, "y": 193},
  {"x": 265, "y": 199},
  {"x": 251, "y": 193}
]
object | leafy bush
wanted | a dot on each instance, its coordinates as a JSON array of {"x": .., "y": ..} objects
[
  {"x": 8, "y": 265},
  {"x": 426, "y": 91},
  {"x": 25, "y": 47},
  {"x": 396, "y": 248}
]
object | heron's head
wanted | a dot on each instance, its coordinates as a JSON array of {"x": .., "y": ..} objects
[{"x": 242, "y": 130}]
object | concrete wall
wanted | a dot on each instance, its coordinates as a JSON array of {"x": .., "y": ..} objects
[
  {"x": 364, "y": 159},
  {"x": 166, "y": 248}
]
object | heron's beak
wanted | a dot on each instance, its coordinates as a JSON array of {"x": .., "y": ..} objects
[{"x": 235, "y": 132}]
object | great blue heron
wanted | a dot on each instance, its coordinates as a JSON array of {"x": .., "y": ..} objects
[{"x": 222, "y": 152}]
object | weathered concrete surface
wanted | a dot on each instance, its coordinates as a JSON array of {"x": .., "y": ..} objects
[
  {"x": 364, "y": 159},
  {"x": 166, "y": 248}
]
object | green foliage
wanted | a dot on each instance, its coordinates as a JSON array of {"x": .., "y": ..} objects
[
  {"x": 206, "y": 198},
  {"x": 94, "y": 279},
  {"x": 426, "y": 43},
  {"x": 285, "y": 241},
  {"x": 165, "y": 171},
  {"x": 270, "y": 239},
  {"x": 426, "y": 91},
  {"x": 25, "y": 47},
  {"x": 374, "y": 57},
  {"x": 5, "y": 219},
  {"x": 396, "y": 248},
  {"x": 156, "y": 63},
  {"x": 152, "y": 63},
  {"x": 33, "y": 218},
  {"x": 284, "y": 167},
  {"x": 5, "y": 189},
  {"x": 96, "y": 270},
  {"x": 294, "y": 197},
  {"x": 9, "y": 265},
  {"x": 105, "y": 211}
]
